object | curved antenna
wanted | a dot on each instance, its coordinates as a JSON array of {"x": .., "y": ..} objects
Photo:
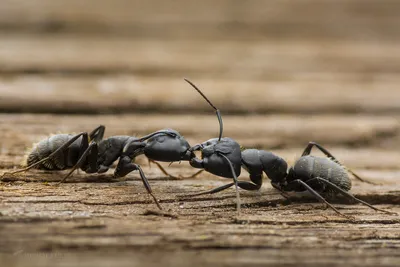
[{"x": 221, "y": 125}]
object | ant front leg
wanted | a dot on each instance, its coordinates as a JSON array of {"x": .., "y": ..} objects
[
  {"x": 307, "y": 151},
  {"x": 255, "y": 178},
  {"x": 198, "y": 163},
  {"x": 125, "y": 166}
]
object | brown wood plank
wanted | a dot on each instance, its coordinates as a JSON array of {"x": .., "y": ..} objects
[
  {"x": 350, "y": 19},
  {"x": 248, "y": 59},
  {"x": 111, "y": 218},
  {"x": 94, "y": 219},
  {"x": 299, "y": 94}
]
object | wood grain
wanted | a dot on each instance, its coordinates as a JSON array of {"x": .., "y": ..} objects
[{"x": 96, "y": 213}]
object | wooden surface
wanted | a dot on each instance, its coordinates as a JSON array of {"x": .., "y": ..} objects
[
  {"x": 95, "y": 218},
  {"x": 283, "y": 73}
]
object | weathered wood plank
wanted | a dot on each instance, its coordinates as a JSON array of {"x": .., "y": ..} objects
[
  {"x": 350, "y": 19},
  {"x": 299, "y": 94},
  {"x": 205, "y": 257},
  {"x": 245, "y": 59},
  {"x": 111, "y": 217},
  {"x": 95, "y": 215}
]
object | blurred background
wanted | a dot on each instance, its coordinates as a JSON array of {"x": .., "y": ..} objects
[
  {"x": 282, "y": 72},
  {"x": 254, "y": 56}
]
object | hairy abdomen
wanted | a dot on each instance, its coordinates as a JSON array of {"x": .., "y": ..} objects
[
  {"x": 44, "y": 148},
  {"x": 309, "y": 167}
]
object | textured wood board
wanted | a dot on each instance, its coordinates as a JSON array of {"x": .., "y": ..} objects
[
  {"x": 129, "y": 93},
  {"x": 257, "y": 59},
  {"x": 328, "y": 19},
  {"x": 95, "y": 218},
  {"x": 72, "y": 74},
  {"x": 65, "y": 221}
]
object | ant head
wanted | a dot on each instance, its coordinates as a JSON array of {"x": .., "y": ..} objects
[
  {"x": 208, "y": 147},
  {"x": 226, "y": 146},
  {"x": 182, "y": 144},
  {"x": 168, "y": 145}
]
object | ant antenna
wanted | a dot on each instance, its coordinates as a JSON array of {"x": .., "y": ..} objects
[{"x": 221, "y": 126}]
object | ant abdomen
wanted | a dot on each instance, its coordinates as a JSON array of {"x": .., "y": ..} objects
[
  {"x": 46, "y": 147},
  {"x": 325, "y": 168}
]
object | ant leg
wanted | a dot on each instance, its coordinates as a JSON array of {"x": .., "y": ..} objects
[
  {"x": 89, "y": 154},
  {"x": 163, "y": 170},
  {"x": 97, "y": 134},
  {"x": 310, "y": 145},
  {"x": 125, "y": 166},
  {"x": 283, "y": 193},
  {"x": 255, "y": 180},
  {"x": 192, "y": 176},
  {"x": 248, "y": 186},
  {"x": 244, "y": 185},
  {"x": 58, "y": 150},
  {"x": 147, "y": 185},
  {"x": 235, "y": 179},
  {"x": 172, "y": 176},
  {"x": 212, "y": 191},
  {"x": 318, "y": 196},
  {"x": 197, "y": 163},
  {"x": 348, "y": 195}
]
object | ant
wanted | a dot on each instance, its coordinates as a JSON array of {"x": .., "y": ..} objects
[
  {"x": 93, "y": 154},
  {"x": 317, "y": 175}
]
